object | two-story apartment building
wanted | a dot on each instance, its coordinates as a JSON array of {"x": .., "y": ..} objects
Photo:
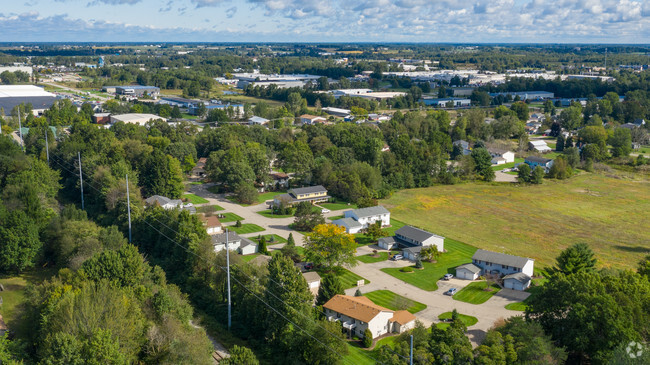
[
  {"x": 312, "y": 194},
  {"x": 355, "y": 220},
  {"x": 516, "y": 271},
  {"x": 359, "y": 313},
  {"x": 534, "y": 161},
  {"x": 500, "y": 157},
  {"x": 242, "y": 245},
  {"x": 411, "y": 240}
]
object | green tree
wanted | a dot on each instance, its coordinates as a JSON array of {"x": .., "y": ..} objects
[
  {"x": 306, "y": 218},
  {"x": 358, "y": 293},
  {"x": 559, "y": 143},
  {"x": 367, "y": 338},
  {"x": 538, "y": 175},
  {"x": 621, "y": 142},
  {"x": 329, "y": 245},
  {"x": 572, "y": 155},
  {"x": 329, "y": 287},
  {"x": 430, "y": 253},
  {"x": 644, "y": 266},
  {"x": 262, "y": 247},
  {"x": 374, "y": 231},
  {"x": 532, "y": 345},
  {"x": 521, "y": 109},
  {"x": 560, "y": 169},
  {"x": 240, "y": 355},
  {"x": 20, "y": 241},
  {"x": 124, "y": 266},
  {"x": 523, "y": 173},
  {"x": 576, "y": 258},
  {"x": 162, "y": 175},
  {"x": 483, "y": 163},
  {"x": 571, "y": 117},
  {"x": 246, "y": 194}
]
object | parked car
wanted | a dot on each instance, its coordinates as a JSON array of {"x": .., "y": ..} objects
[
  {"x": 448, "y": 276},
  {"x": 324, "y": 210},
  {"x": 397, "y": 257},
  {"x": 309, "y": 266},
  {"x": 451, "y": 291}
]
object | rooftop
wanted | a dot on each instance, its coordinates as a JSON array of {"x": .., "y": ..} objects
[
  {"x": 348, "y": 222},
  {"x": 311, "y": 276},
  {"x": 538, "y": 159},
  {"x": 402, "y": 317},
  {"x": 308, "y": 190},
  {"x": 415, "y": 234},
  {"x": 500, "y": 258},
  {"x": 470, "y": 267},
  {"x": 211, "y": 221},
  {"x": 519, "y": 276},
  {"x": 360, "y": 308},
  {"x": 220, "y": 239},
  {"x": 370, "y": 211},
  {"x": 21, "y": 91}
]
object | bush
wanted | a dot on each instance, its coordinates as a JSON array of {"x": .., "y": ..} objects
[
  {"x": 358, "y": 293},
  {"x": 238, "y": 224},
  {"x": 418, "y": 264},
  {"x": 367, "y": 338},
  {"x": 406, "y": 269}
]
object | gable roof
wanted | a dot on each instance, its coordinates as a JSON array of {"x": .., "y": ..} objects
[
  {"x": 518, "y": 276},
  {"x": 244, "y": 242},
  {"x": 538, "y": 159},
  {"x": 415, "y": 234},
  {"x": 220, "y": 239},
  {"x": 259, "y": 120},
  {"x": 500, "y": 258},
  {"x": 497, "y": 151},
  {"x": 162, "y": 200},
  {"x": 370, "y": 211},
  {"x": 470, "y": 267},
  {"x": 387, "y": 240},
  {"x": 311, "y": 276},
  {"x": 402, "y": 317},
  {"x": 538, "y": 143},
  {"x": 348, "y": 222},
  {"x": 211, "y": 221},
  {"x": 308, "y": 190},
  {"x": 360, "y": 308}
]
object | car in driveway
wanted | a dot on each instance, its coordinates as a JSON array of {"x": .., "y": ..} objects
[
  {"x": 451, "y": 291},
  {"x": 447, "y": 276},
  {"x": 397, "y": 257},
  {"x": 325, "y": 210}
]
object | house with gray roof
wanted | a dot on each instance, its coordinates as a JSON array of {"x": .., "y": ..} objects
[
  {"x": 534, "y": 161},
  {"x": 312, "y": 194},
  {"x": 411, "y": 240},
  {"x": 468, "y": 272},
  {"x": 351, "y": 226},
  {"x": 517, "y": 270},
  {"x": 166, "y": 203},
  {"x": 242, "y": 245},
  {"x": 369, "y": 215}
]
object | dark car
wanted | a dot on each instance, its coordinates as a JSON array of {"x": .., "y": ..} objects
[{"x": 309, "y": 266}]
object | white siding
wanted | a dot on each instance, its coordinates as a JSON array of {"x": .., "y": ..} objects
[
  {"x": 509, "y": 156},
  {"x": 437, "y": 241},
  {"x": 248, "y": 250},
  {"x": 528, "y": 268},
  {"x": 466, "y": 274},
  {"x": 379, "y": 325}
]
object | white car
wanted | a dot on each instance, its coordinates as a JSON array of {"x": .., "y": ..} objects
[
  {"x": 448, "y": 276},
  {"x": 324, "y": 210}
]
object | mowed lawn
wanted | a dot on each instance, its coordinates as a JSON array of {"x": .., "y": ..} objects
[
  {"x": 393, "y": 301},
  {"x": 230, "y": 217},
  {"x": 246, "y": 228},
  {"x": 467, "y": 320},
  {"x": 195, "y": 199},
  {"x": 370, "y": 258},
  {"x": 537, "y": 221},
  {"x": 457, "y": 254},
  {"x": 348, "y": 278},
  {"x": 475, "y": 293},
  {"x": 362, "y": 239}
]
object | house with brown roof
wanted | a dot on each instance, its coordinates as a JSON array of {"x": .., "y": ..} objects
[
  {"x": 357, "y": 314},
  {"x": 212, "y": 224},
  {"x": 199, "y": 168},
  {"x": 311, "y": 119}
]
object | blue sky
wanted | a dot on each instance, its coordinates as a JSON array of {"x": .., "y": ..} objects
[{"x": 537, "y": 21}]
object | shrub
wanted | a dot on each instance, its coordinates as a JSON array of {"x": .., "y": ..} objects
[
  {"x": 418, "y": 264},
  {"x": 358, "y": 293},
  {"x": 238, "y": 224},
  {"x": 406, "y": 269},
  {"x": 367, "y": 338}
]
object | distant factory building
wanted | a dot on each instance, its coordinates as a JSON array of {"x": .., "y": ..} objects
[
  {"x": 133, "y": 118},
  {"x": 13, "y": 95},
  {"x": 527, "y": 95},
  {"x": 138, "y": 90}
]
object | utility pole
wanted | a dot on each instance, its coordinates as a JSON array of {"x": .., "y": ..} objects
[
  {"x": 81, "y": 181},
  {"x": 128, "y": 203},
  {"x": 20, "y": 131},
  {"x": 228, "y": 272},
  {"x": 47, "y": 147},
  {"x": 605, "y": 59},
  {"x": 411, "y": 358}
]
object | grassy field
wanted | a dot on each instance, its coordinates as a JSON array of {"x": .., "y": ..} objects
[
  {"x": 518, "y": 306},
  {"x": 338, "y": 206},
  {"x": 195, "y": 199},
  {"x": 230, "y": 217},
  {"x": 390, "y": 300},
  {"x": 467, "y": 320},
  {"x": 209, "y": 208},
  {"x": 457, "y": 254},
  {"x": 475, "y": 293},
  {"x": 362, "y": 239},
  {"x": 246, "y": 228},
  {"x": 537, "y": 221},
  {"x": 268, "y": 214},
  {"x": 347, "y": 277},
  {"x": 369, "y": 258},
  {"x": 14, "y": 294}
]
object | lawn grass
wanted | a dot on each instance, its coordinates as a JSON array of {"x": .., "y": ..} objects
[
  {"x": 246, "y": 228},
  {"x": 467, "y": 320},
  {"x": 347, "y": 277},
  {"x": 268, "y": 214},
  {"x": 518, "y": 306},
  {"x": 362, "y": 239},
  {"x": 195, "y": 199},
  {"x": 458, "y": 253},
  {"x": 390, "y": 300},
  {"x": 276, "y": 239},
  {"x": 230, "y": 217},
  {"x": 338, "y": 206},
  {"x": 209, "y": 208},
  {"x": 368, "y": 258},
  {"x": 475, "y": 293},
  {"x": 261, "y": 198},
  {"x": 507, "y": 165},
  {"x": 537, "y": 221},
  {"x": 247, "y": 258},
  {"x": 14, "y": 294}
]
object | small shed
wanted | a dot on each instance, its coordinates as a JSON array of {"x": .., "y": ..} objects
[
  {"x": 516, "y": 281},
  {"x": 387, "y": 243},
  {"x": 468, "y": 272}
]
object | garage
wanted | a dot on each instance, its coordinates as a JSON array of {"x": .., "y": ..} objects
[
  {"x": 517, "y": 281},
  {"x": 468, "y": 272}
]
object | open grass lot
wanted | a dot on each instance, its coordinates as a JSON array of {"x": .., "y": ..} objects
[
  {"x": 261, "y": 198},
  {"x": 362, "y": 239},
  {"x": 14, "y": 294},
  {"x": 268, "y": 214},
  {"x": 457, "y": 254},
  {"x": 195, "y": 199},
  {"x": 390, "y": 300},
  {"x": 338, "y": 206},
  {"x": 537, "y": 221},
  {"x": 369, "y": 258},
  {"x": 347, "y": 277},
  {"x": 247, "y": 258},
  {"x": 230, "y": 217},
  {"x": 467, "y": 320},
  {"x": 475, "y": 293},
  {"x": 246, "y": 228}
]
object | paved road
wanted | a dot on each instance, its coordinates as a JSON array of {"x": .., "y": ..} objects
[{"x": 437, "y": 303}]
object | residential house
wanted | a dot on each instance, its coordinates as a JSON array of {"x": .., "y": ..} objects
[
  {"x": 254, "y": 120},
  {"x": 313, "y": 281},
  {"x": 312, "y": 194},
  {"x": 359, "y": 313},
  {"x": 464, "y": 145},
  {"x": 517, "y": 271},
  {"x": 242, "y": 245},
  {"x": 411, "y": 240},
  {"x": 351, "y": 226},
  {"x": 539, "y": 146},
  {"x": 500, "y": 157},
  {"x": 368, "y": 216},
  {"x": 166, "y": 203},
  {"x": 534, "y": 161},
  {"x": 280, "y": 179},
  {"x": 212, "y": 224},
  {"x": 199, "y": 168},
  {"x": 311, "y": 119}
]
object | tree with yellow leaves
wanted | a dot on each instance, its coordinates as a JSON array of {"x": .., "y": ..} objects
[{"x": 329, "y": 245}]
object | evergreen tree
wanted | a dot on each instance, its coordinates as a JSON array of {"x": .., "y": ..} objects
[
  {"x": 329, "y": 287},
  {"x": 367, "y": 338}
]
